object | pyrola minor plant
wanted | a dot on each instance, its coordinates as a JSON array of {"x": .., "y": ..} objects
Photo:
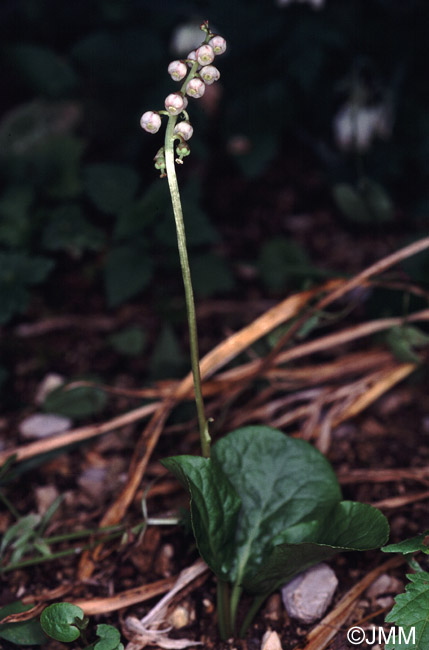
[
  {"x": 195, "y": 72},
  {"x": 264, "y": 506}
]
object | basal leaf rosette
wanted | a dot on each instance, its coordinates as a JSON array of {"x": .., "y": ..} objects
[{"x": 266, "y": 506}]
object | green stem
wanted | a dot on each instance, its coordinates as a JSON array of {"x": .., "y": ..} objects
[
  {"x": 223, "y": 619},
  {"x": 186, "y": 274},
  {"x": 235, "y": 599},
  {"x": 257, "y": 602}
]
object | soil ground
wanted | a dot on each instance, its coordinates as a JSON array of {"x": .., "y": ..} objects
[{"x": 391, "y": 434}]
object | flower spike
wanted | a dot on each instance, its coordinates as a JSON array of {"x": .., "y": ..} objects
[{"x": 195, "y": 72}]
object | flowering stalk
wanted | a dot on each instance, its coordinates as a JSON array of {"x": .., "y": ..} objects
[{"x": 175, "y": 105}]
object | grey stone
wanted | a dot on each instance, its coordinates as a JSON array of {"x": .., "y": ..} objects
[
  {"x": 307, "y": 597},
  {"x": 43, "y": 425}
]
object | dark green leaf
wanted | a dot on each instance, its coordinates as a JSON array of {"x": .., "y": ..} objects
[
  {"x": 210, "y": 275},
  {"x": 129, "y": 341},
  {"x": 16, "y": 272},
  {"x": 59, "y": 621},
  {"x": 77, "y": 402},
  {"x": 167, "y": 359},
  {"x": 281, "y": 481},
  {"x": 377, "y": 200},
  {"x": 351, "y": 203},
  {"x": 43, "y": 69},
  {"x": 280, "y": 259},
  {"x": 154, "y": 204},
  {"x": 69, "y": 230},
  {"x": 411, "y": 545},
  {"x": 128, "y": 270},
  {"x": 290, "y": 515},
  {"x": 110, "y": 638},
  {"x": 26, "y": 633},
  {"x": 214, "y": 509},
  {"x": 110, "y": 187},
  {"x": 15, "y": 221},
  {"x": 411, "y": 610},
  {"x": 349, "y": 527},
  {"x": 55, "y": 166},
  {"x": 403, "y": 340}
]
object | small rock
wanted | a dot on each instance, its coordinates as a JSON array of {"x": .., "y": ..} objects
[
  {"x": 181, "y": 616},
  {"x": 385, "y": 602},
  {"x": 45, "y": 496},
  {"x": 383, "y": 586},
  {"x": 49, "y": 383},
  {"x": 43, "y": 425},
  {"x": 271, "y": 641},
  {"x": 307, "y": 597},
  {"x": 93, "y": 481}
]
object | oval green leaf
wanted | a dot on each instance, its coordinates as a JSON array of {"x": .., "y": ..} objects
[{"x": 59, "y": 621}]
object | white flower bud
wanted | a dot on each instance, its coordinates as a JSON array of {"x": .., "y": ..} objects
[
  {"x": 177, "y": 70},
  {"x": 205, "y": 54},
  {"x": 192, "y": 56},
  {"x": 174, "y": 103},
  {"x": 218, "y": 43},
  {"x": 209, "y": 74},
  {"x": 184, "y": 129},
  {"x": 150, "y": 121},
  {"x": 195, "y": 88}
]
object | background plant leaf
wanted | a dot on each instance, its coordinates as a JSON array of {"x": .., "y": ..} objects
[
  {"x": 411, "y": 545},
  {"x": 411, "y": 610},
  {"x": 129, "y": 341},
  {"x": 128, "y": 270},
  {"x": 78, "y": 402},
  {"x": 111, "y": 187},
  {"x": 25, "y": 633},
  {"x": 110, "y": 638},
  {"x": 59, "y": 621}
]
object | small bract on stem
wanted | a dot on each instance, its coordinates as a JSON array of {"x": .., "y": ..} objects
[{"x": 195, "y": 72}]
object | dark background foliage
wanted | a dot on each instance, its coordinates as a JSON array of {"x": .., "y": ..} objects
[{"x": 84, "y": 220}]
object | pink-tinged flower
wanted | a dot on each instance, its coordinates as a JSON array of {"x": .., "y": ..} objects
[
  {"x": 150, "y": 121},
  {"x": 184, "y": 129},
  {"x": 175, "y": 103},
  {"x": 205, "y": 54},
  {"x": 218, "y": 44},
  {"x": 209, "y": 74},
  {"x": 195, "y": 88},
  {"x": 177, "y": 70}
]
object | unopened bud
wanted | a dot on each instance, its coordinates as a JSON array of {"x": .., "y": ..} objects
[
  {"x": 192, "y": 56},
  {"x": 177, "y": 70},
  {"x": 184, "y": 129},
  {"x": 183, "y": 150},
  {"x": 209, "y": 74},
  {"x": 218, "y": 44},
  {"x": 205, "y": 54},
  {"x": 150, "y": 121},
  {"x": 175, "y": 103},
  {"x": 195, "y": 88},
  {"x": 160, "y": 161}
]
